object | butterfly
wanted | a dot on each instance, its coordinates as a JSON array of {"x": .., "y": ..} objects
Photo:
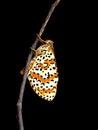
[{"x": 43, "y": 71}]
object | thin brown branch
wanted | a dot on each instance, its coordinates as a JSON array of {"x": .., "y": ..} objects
[{"x": 22, "y": 87}]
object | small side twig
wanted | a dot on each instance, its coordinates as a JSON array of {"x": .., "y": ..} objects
[{"x": 22, "y": 87}]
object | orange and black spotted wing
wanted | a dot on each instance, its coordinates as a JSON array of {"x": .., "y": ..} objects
[{"x": 43, "y": 73}]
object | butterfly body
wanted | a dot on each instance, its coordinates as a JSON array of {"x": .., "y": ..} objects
[{"x": 43, "y": 71}]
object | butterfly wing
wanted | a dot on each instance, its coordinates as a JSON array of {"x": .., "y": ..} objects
[{"x": 43, "y": 75}]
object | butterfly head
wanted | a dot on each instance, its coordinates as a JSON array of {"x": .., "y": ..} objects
[
  {"x": 49, "y": 42},
  {"x": 45, "y": 41}
]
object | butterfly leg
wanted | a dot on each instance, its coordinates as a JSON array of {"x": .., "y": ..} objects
[{"x": 40, "y": 39}]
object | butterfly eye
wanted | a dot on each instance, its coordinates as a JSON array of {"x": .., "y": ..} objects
[{"x": 50, "y": 42}]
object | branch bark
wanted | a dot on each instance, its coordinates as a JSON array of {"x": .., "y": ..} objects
[{"x": 22, "y": 87}]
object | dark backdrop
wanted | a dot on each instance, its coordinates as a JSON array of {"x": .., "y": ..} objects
[{"x": 68, "y": 27}]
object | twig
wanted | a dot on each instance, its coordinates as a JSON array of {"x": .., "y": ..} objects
[{"x": 22, "y": 87}]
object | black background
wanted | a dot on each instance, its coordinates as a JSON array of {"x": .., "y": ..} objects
[{"x": 69, "y": 28}]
